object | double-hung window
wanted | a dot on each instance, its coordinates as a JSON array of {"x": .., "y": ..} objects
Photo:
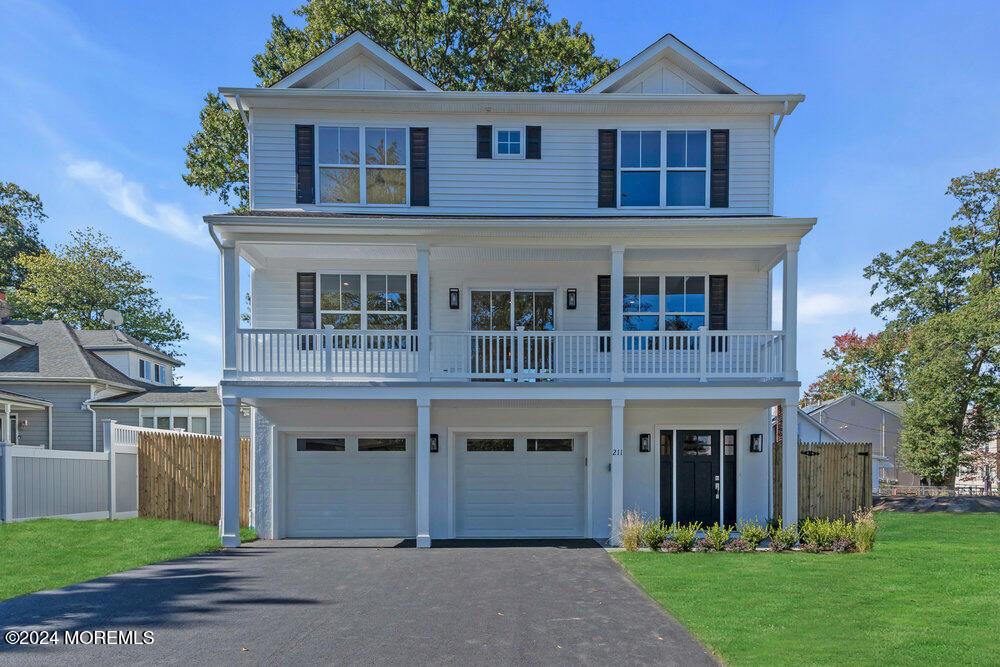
[
  {"x": 145, "y": 370},
  {"x": 664, "y": 303},
  {"x": 663, "y": 169},
  {"x": 345, "y": 178},
  {"x": 385, "y": 304}
]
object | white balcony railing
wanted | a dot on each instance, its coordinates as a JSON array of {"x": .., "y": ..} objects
[{"x": 511, "y": 355}]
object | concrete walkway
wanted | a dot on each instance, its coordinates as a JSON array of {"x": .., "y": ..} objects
[{"x": 330, "y": 601}]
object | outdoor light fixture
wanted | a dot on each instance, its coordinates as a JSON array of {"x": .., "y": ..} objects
[
  {"x": 434, "y": 443},
  {"x": 453, "y": 301},
  {"x": 756, "y": 442},
  {"x": 644, "y": 443},
  {"x": 571, "y": 298}
]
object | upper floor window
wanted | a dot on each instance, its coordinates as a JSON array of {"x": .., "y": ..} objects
[
  {"x": 664, "y": 303},
  {"x": 145, "y": 369},
  {"x": 385, "y": 303},
  {"x": 159, "y": 374},
  {"x": 378, "y": 179},
  {"x": 659, "y": 169},
  {"x": 509, "y": 143}
]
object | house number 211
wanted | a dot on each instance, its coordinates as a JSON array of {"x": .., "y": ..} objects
[{"x": 616, "y": 452}]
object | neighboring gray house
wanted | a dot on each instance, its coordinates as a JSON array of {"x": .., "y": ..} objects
[
  {"x": 855, "y": 419},
  {"x": 58, "y": 384}
]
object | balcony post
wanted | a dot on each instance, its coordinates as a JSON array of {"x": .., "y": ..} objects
[
  {"x": 423, "y": 472},
  {"x": 703, "y": 354},
  {"x": 229, "y": 526},
  {"x": 790, "y": 303},
  {"x": 617, "y": 299},
  {"x": 423, "y": 313},
  {"x": 230, "y": 288},
  {"x": 790, "y": 462}
]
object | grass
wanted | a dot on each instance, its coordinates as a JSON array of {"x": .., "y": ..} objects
[
  {"x": 51, "y": 553},
  {"x": 928, "y": 594}
]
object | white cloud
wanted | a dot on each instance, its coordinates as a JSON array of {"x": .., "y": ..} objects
[
  {"x": 819, "y": 306},
  {"x": 129, "y": 198}
]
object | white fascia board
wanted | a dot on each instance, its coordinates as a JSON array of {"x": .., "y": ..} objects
[
  {"x": 500, "y": 102},
  {"x": 670, "y": 43},
  {"x": 360, "y": 42}
]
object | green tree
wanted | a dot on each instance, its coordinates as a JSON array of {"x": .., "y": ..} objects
[
  {"x": 20, "y": 214},
  {"x": 77, "y": 282},
  {"x": 869, "y": 366},
  {"x": 491, "y": 45},
  {"x": 946, "y": 294}
]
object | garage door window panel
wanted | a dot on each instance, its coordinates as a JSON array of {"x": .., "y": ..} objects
[
  {"x": 489, "y": 445},
  {"x": 550, "y": 444},
  {"x": 381, "y": 444},
  {"x": 320, "y": 444}
]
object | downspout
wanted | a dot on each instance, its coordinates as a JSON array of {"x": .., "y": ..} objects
[{"x": 93, "y": 413}]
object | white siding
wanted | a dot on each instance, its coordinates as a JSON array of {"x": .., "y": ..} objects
[
  {"x": 563, "y": 182},
  {"x": 273, "y": 287}
]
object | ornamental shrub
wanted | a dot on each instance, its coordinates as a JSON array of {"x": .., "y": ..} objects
[
  {"x": 717, "y": 536},
  {"x": 684, "y": 535},
  {"x": 654, "y": 533},
  {"x": 864, "y": 528},
  {"x": 631, "y": 528},
  {"x": 752, "y": 533},
  {"x": 782, "y": 539}
]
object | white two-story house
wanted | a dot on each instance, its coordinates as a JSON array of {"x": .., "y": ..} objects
[{"x": 481, "y": 315}]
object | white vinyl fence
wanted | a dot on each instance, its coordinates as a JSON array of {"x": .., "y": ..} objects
[{"x": 36, "y": 483}]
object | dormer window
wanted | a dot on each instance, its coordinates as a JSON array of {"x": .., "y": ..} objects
[
  {"x": 158, "y": 374},
  {"x": 509, "y": 143},
  {"x": 145, "y": 369},
  {"x": 344, "y": 178}
]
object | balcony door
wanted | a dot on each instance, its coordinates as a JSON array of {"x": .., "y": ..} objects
[{"x": 504, "y": 313}]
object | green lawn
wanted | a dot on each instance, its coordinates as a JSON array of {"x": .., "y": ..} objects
[
  {"x": 50, "y": 553},
  {"x": 928, "y": 594}
]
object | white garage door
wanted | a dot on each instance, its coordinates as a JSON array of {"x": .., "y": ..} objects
[
  {"x": 520, "y": 486},
  {"x": 350, "y": 486}
]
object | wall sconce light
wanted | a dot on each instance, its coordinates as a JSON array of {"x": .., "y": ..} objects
[
  {"x": 453, "y": 298},
  {"x": 645, "y": 440},
  {"x": 23, "y": 423},
  {"x": 434, "y": 443},
  {"x": 756, "y": 442},
  {"x": 571, "y": 298}
]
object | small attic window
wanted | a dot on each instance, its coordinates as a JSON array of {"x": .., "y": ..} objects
[{"x": 509, "y": 143}]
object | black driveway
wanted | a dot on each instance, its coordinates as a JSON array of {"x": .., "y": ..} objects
[{"x": 335, "y": 602}]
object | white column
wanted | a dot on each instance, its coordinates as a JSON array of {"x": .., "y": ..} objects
[
  {"x": 5, "y": 430},
  {"x": 617, "y": 467},
  {"x": 108, "y": 427},
  {"x": 423, "y": 472},
  {"x": 790, "y": 461},
  {"x": 423, "y": 313},
  {"x": 790, "y": 303},
  {"x": 230, "y": 524},
  {"x": 617, "y": 297},
  {"x": 7, "y": 470},
  {"x": 230, "y": 285}
]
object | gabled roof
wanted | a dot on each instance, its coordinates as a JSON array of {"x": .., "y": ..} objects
[
  {"x": 894, "y": 408},
  {"x": 56, "y": 354},
  {"x": 346, "y": 50},
  {"x": 680, "y": 54},
  {"x": 110, "y": 339},
  {"x": 176, "y": 396},
  {"x": 822, "y": 427}
]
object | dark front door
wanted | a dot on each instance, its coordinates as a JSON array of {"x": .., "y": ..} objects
[{"x": 698, "y": 476}]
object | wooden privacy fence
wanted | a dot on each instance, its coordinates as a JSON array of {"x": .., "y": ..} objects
[
  {"x": 180, "y": 477},
  {"x": 834, "y": 478}
]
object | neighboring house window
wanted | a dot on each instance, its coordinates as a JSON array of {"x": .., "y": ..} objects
[
  {"x": 193, "y": 420},
  {"x": 509, "y": 143},
  {"x": 384, "y": 306},
  {"x": 664, "y": 303},
  {"x": 158, "y": 373},
  {"x": 344, "y": 178},
  {"x": 663, "y": 168},
  {"x": 144, "y": 369}
]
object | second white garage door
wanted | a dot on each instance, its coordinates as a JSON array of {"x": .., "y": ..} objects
[
  {"x": 350, "y": 486},
  {"x": 520, "y": 486}
]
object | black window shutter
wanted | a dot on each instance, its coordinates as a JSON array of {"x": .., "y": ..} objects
[
  {"x": 607, "y": 166},
  {"x": 306, "y": 300},
  {"x": 718, "y": 307},
  {"x": 484, "y": 142},
  {"x": 305, "y": 164},
  {"x": 419, "y": 169},
  {"x": 533, "y": 142},
  {"x": 719, "y": 186},
  {"x": 604, "y": 309},
  {"x": 413, "y": 301}
]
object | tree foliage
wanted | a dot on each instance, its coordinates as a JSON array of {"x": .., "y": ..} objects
[
  {"x": 946, "y": 294},
  {"x": 869, "y": 366},
  {"x": 77, "y": 282},
  {"x": 20, "y": 214},
  {"x": 490, "y": 45}
]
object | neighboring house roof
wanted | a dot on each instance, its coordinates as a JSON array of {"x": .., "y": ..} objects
[
  {"x": 14, "y": 397},
  {"x": 165, "y": 396},
  {"x": 805, "y": 416},
  {"x": 894, "y": 408},
  {"x": 110, "y": 339},
  {"x": 55, "y": 353}
]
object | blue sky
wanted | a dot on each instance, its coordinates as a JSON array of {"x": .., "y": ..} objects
[{"x": 99, "y": 98}]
